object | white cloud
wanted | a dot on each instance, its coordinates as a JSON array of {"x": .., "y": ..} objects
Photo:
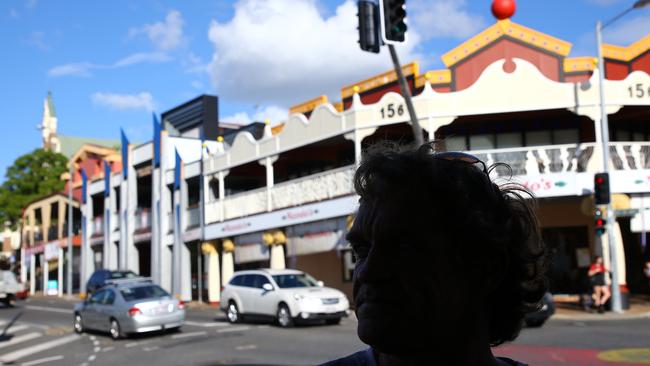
[
  {"x": 628, "y": 31},
  {"x": 273, "y": 113},
  {"x": 166, "y": 35},
  {"x": 141, "y": 57},
  {"x": 37, "y": 38},
  {"x": 197, "y": 84},
  {"x": 444, "y": 18},
  {"x": 74, "y": 69},
  {"x": 85, "y": 68},
  {"x": 121, "y": 102},
  {"x": 285, "y": 52},
  {"x": 31, "y": 4},
  {"x": 14, "y": 14}
]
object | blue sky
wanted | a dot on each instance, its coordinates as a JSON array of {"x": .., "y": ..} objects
[{"x": 110, "y": 63}]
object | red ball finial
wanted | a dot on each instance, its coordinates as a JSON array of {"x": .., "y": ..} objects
[{"x": 503, "y": 9}]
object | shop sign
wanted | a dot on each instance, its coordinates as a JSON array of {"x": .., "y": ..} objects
[
  {"x": 630, "y": 181},
  {"x": 52, "y": 287},
  {"x": 549, "y": 185},
  {"x": 281, "y": 218}
]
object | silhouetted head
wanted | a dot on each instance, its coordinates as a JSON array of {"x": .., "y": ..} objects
[{"x": 441, "y": 250}]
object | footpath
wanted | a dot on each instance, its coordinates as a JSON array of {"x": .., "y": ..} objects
[{"x": 568, "y": 308}]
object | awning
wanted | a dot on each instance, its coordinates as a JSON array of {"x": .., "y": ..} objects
[
  {"x": 250, "y": 248},
  {"x": 316, "y": 237}
]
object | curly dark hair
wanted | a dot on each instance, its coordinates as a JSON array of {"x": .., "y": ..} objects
[{"x": 469, "y": 212}]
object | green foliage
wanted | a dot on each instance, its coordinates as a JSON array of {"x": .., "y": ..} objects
[{"x": 31, "y": 176}]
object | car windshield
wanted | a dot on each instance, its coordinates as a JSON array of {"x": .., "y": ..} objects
[
  {"x": 295, "y": 280},
  {"x": 121, "y": 275},
  {"x": 142, "y": 292}
]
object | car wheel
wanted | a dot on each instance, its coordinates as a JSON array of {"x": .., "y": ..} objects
[
  {"x": 115, "y": 330},
  {"x": 77, "y": 324},
  {"x": 333, "y": 321},
  {"x": 284, "y": 316},
  {"x": 232, "y": 312}
]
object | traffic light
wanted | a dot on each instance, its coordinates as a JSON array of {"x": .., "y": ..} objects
[
  {"x": 368, "y": 26},
  {"x": 393, "y": 20},
  {"x": 600, "y": 223},
  {"x": 601, "y": 189}
]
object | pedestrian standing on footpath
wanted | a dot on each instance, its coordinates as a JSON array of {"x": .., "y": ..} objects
[
  {"x": 447, "y": 261},
  {"x": 601, "y": 293}
]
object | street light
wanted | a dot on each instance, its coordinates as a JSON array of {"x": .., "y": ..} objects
[{"x": 604, "y": 129}]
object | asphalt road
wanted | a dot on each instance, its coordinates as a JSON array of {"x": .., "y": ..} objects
[{"x": 39, "y": 332}]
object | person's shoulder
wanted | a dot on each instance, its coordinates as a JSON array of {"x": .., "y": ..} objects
[
  {"x": 503, "y": 361},
  {"x": 361, "y": 358}
]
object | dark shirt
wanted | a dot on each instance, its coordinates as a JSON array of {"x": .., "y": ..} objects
[{"x": 367, "y": 358}]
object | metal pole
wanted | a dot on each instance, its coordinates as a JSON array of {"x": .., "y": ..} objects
[
  {"x": 70, "y": 250},
  {"x": 201, "y": 228},
  {"x": 611, "y": 218},
  {"x": 406, "y": 93}
]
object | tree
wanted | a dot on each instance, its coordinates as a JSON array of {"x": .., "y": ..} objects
[{"x": 31, "y": 176}]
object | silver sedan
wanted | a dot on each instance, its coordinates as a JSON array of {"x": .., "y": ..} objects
[{"x": 131, "y": 307}]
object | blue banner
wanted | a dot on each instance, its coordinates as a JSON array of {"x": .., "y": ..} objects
[
  {"x": 107, "y": 178},
  {"x": 84, "y": 185},
  {"x": 178, "y": 171},
  {"x": 157, "y": 130},
  {"x": 125, "y": 154}
]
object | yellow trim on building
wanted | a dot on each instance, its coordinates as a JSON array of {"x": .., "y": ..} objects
[
  {"x": 628, "y": 53},
  {"x": 380, "y": 80},
  {"x": 433, "y": 77},
  {"x": 277, "y": 129},
  {"x": 309, "y": 105},
  {"x": 338, "y": 106},
  {"x": 506, "y": 28},
  {"x": 580, "y": 64}
]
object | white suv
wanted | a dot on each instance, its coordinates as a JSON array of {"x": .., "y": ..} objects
[{"x": 286, "y": 295}]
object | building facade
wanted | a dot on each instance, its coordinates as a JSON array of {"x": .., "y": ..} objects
[{"x": 188, "y": 211}]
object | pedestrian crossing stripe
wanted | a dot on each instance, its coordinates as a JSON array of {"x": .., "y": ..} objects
[{"x": 627, "y": 355}]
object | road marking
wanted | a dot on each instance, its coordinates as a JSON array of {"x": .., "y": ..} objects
[
  {"x": 92, "y": 358},
  {"x": 246, "y": 347},
  {"x": 106, "y": 349},
  {"x": 17, "y": 328},
  {"x": 152, "y": 348},
  {"x": 47, "y": 308},
  {"x": 95, "y": 343},
  {"x": 206, "y": 325},
  {"x": 96, "y": 349},
  {"x": 42, "y": 360},
  {"x": 21, "y": 338},
  {"x": 632, "y": 355},
  {"x": 132, "y": 344},
  {"x": 185, "y": 335},
  {"x": 234, "y": 329},
  {"x": 13, "y": 356}
]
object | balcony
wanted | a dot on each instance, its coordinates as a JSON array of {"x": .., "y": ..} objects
[
  {"x": 53, "y": 232},
  {"x": 98, "y": 226},
  {"x": 142, "y": 219},
  {"x": 193, "y": 217}
]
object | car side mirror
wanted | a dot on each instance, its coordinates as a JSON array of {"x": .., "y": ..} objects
[
  {"x": 267, "y": 287},
  {"x": 320, "y": 283}
]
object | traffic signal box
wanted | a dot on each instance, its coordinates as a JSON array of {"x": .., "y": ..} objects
[
  {"x": 368, "y": 14},
  {"x": 393, "y": 17},
  {"x": 601, "y": 189},
  {"x": 600, "y": 223}
]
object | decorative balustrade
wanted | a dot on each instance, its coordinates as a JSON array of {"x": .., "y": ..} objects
[
  {"x": 313, "y": 188},
  {"x": 524, "y": 161}
]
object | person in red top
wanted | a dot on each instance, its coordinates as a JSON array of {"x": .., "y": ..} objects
[{"x": 601, "y": 293}]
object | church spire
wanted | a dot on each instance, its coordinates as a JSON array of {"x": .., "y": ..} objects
[{"x": 49, "y": 124}]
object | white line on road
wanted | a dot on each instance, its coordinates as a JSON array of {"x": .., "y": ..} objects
[
  {"x": 106, "y": 349},
  {"x": 152, "y": 348},
  {"x": 13, "y": 356},
  {"x": 246, "y": 347},
  {"x": 186, "y": 335},
  {"x": 21, "y": 338},
  {"x": 132, "y": 344},
  {"x": 206, "y": 325},
  {"x": 234, "y": 329},
  {"x": 97, "y": 349},
  {"x": 17, "y": 328},
  {"x": 42, "y": 360},
  {"x": 92, "y": 358},
  {"x": 47, "y": 308}
]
